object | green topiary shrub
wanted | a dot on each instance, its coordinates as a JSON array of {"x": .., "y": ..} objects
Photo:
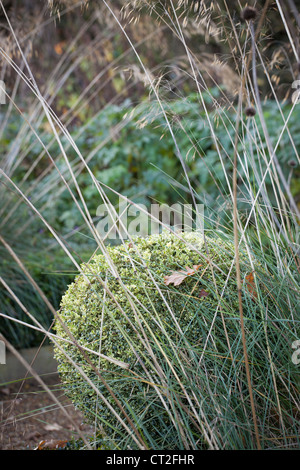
[{"x": 160, "y": 331}]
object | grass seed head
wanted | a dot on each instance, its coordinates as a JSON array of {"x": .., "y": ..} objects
[{"x": 249, "y": 13}]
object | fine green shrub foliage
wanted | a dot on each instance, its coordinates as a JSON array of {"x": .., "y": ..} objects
[{"x": 160, "y": 331}]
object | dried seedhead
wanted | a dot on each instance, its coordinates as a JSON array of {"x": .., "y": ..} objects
[
  {"x": 249, "y": 13},
  {"x": 250, "y": 111}
]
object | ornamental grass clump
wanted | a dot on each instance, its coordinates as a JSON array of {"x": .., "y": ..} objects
[{"x": 170, "y": 316}]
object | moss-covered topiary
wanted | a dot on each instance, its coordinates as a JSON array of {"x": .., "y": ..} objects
[{"x": 152, "y": 327}]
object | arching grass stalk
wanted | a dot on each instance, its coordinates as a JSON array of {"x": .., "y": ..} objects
[
  {"x": 239, "y": 281},
  {"x": 238, "y": 272}
]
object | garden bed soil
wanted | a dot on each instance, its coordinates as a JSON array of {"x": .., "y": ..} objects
[{"x": 30, "y": 419}]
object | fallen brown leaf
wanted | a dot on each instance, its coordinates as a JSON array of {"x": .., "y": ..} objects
[
  {"x": 177, "y": 277},
  {"x": 203, "y": 293},
  {"x": 52, "y": 427},
  {"x": 51, "y": 445},
  {"x": 250, "y": 283}
]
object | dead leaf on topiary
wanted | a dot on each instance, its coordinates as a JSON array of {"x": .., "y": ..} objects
[
  {"x": 203, "y": 293},
  {"x": 250, "y": 283},
  {"x": 177, "y": 277}
]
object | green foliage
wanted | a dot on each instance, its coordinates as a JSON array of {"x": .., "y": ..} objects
[
  {"x": 162, "y": 330},
  {"x": 24, "y": 235},
  {"x": 131, "y": 150},
  {"x": 35, "y": 253}
]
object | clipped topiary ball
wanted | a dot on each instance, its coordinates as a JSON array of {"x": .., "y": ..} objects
[{"x": 156, "y": 322}]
